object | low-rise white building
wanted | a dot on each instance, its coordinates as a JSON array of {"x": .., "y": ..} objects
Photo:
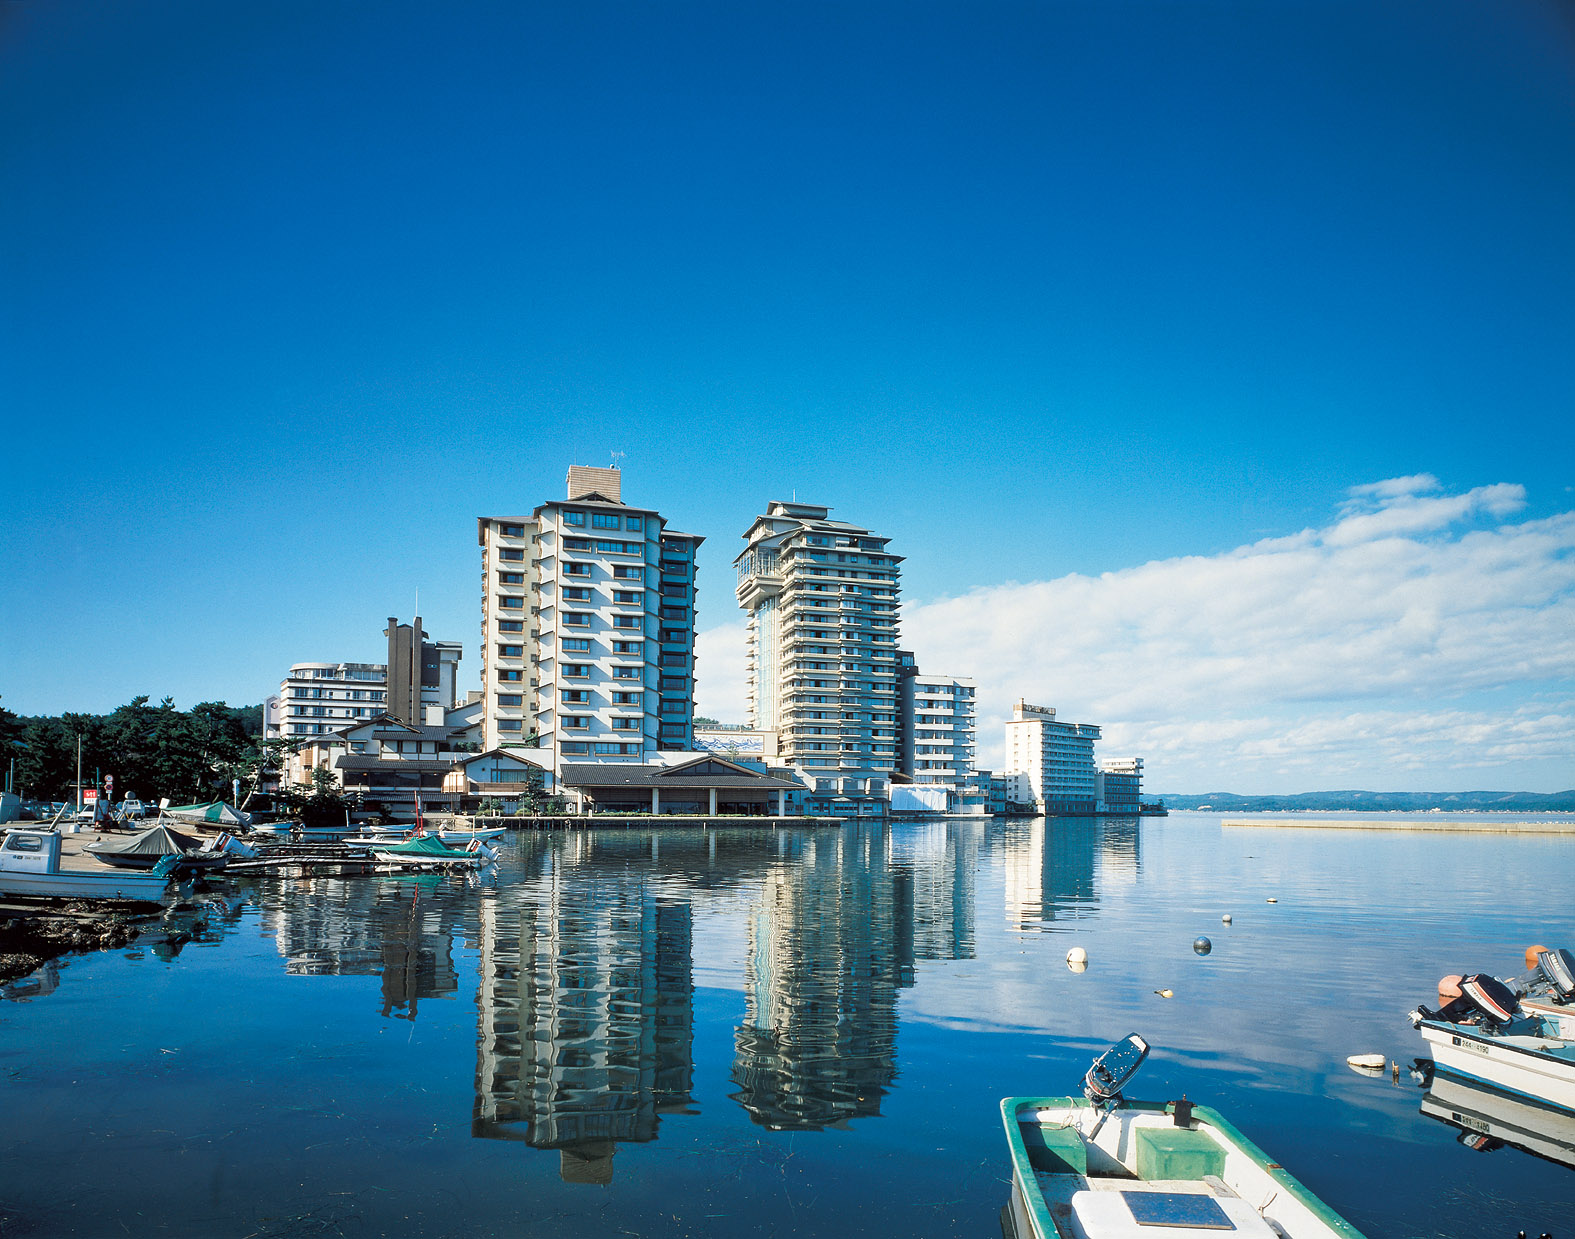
[{"x": 317, "y": 698}]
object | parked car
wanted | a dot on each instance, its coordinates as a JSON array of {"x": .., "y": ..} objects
[{"x": 132, "y": 809}]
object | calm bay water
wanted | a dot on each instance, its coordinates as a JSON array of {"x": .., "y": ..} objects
[{"x": 739, "y": 1032}]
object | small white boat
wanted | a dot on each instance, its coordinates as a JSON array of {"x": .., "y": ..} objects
[
  {"x": 1485, "y": 1033},
  {"x": 1101, "y": 1167},
  {"x": 30, "y": 865}
]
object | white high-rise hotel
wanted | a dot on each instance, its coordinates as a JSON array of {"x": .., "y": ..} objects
[
  {"x": 588, "y": 627},
  {"x": 822, "y": 601}
]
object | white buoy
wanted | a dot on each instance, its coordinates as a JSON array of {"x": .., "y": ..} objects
[
  {"x": 1077, "y": 955},
  {"x": 1226, "y": 918},
  {"x": 1271, "y": 899},
  {"x": 1077, "y": 965}
]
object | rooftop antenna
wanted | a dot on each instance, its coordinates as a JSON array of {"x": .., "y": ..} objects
[{"x": 617, "y": 459}]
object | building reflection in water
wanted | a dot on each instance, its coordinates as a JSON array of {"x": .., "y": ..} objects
[
  {"x": 818, "y": 1041},
  {"x": 1055, "y": 867},
  {"x": 586, "y": 1017},
  {"x": 390, "y": 928}
]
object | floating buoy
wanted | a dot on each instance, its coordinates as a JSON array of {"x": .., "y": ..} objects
[
  {"x": 1366, "y": 1062},
  {"x": 1202, "y": 945},
  {"x": 1164, "y": 993},
  {"x": 1226, "y": 918},
  {"x": 1077, "y": 965},
  {"x": 1077, "y": 955},
  {"x": 1271, "y": 899}
]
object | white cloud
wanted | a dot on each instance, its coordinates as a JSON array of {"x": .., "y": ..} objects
[
  {"x": 1413, "y": 642},
  {"x": 720, "y": 679}
]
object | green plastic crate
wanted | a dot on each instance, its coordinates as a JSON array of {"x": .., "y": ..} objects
[{"x": 1177, "y": 1153}]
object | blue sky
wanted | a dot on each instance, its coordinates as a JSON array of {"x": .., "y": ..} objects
[{"x": 1050, "y": 293}]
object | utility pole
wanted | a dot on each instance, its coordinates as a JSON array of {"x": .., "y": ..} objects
[{"x": 79, "y": 772}]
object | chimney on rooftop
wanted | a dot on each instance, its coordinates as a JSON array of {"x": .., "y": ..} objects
[{"x": 586, "y": 480}]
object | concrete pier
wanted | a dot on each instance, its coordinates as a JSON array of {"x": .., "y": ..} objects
[{"x": 1439, "y": 825}]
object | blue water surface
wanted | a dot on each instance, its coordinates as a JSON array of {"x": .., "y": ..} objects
[{"x": 756, "y": 1032}]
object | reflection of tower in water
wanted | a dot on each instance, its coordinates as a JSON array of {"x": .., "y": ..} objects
[
  {"x": 818, "y": 1041},
  {"x": 943, "y": 860},
  {"x": 1055, "y": 867},
  {"x": 392, "y": 929},
  {"x": 586, "y": 1023}
]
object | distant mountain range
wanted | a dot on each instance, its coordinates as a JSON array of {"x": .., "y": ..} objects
[{"x": 1378, "y": 802}]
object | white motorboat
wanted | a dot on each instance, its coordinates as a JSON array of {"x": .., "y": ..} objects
[
  {"x": 1484, "y": 1033},
  {"x": 1101, "y": 1167},
  {"x": 30, "y": 865}
]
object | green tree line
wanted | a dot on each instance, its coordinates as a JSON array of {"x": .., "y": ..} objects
[{"x": 151, "y": 751}]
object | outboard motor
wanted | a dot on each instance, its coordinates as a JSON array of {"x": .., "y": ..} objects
[
  {"x": 1558, "y": 969},
  {"x": 1110, "y": 1073},
  {"x": 1481, "y": 998}
]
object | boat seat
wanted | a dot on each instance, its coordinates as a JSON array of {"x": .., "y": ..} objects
[
  {"x": 1177, "y": 1153},
  {"x": 1055, "y": 1150}
]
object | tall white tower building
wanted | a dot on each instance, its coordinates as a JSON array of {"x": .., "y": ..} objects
[
  {"x": 821, "y": 598},
  {"x": 588, "y": 626},
  {"x": 1050, "y": 764}
]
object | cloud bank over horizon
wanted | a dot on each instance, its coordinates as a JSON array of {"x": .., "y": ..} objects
[{"x": 1420, "y": 641}]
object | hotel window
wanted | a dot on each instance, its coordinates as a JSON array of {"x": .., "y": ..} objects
[
  {"x": 576, "y": 671},
  {"x": 675, "y": 707},
  {"x": 510, "y": 699},
  {"x": 628, "y": 572},
  {"x": 675, "y": 636},
  {"x": 511, "y": 578},
  {"x": 510, "y": 553},
  {"x": 511, "y": 724},
  {"x": 578, "y": 696},
  {"x": 511, "y": 626},
  {"x": 576, "y": 645},
  {"x": 576, "y": 570},
  {"x": 511, "y": 651},
  {"x": 576, "y": 722},
  {"x": 510, "y": 677},
  {"x": 604, "y": 520},
  {"x": 676, "y": 589},
  {"x": 619, "y": 548},
  {"x": 628, "y": 647},
  {"x": 510, "y": 602},
  {"x": 633, "y": 523},
  {"x": 574, "y": 518},
  {"x": 623, "y": 750},
  {"x": 672, "y": 729},
  {"x": 576, "y": 544},
  {"x": 512, "y": 531},
  {"x": 626, "y": 673},
  {"x": 674, "y": 683},
  {"x": 626, "y": 724},
  {"x": 576, "y": 593},
  {"x": 628, "y": 621},
  {"x": 675, "y": 613},
  {"x": 627, "y": 699},
  {"x": 575, "y": 748},
  {"x": 628, "y": 595},
  {"x": 674, "y": 660},
  {"x": 576, "y": 619}
]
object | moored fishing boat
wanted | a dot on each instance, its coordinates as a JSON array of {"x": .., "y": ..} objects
[
  {"x": 1482, "y": 1032},
  {"x": 1102, "y": 1167},
  {"x": 428, "y": 851},
  {"x": 146, "y": 848},
  {"x": 30, "y": 865}
]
